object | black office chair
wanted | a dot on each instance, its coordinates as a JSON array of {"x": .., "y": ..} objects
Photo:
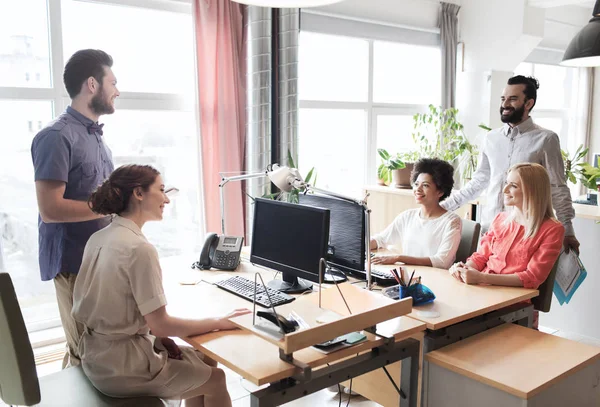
[
  {"x": 469, "y": 238},
  {"x": 19, "y": 384},
  {"x": 544, "y": 300}
]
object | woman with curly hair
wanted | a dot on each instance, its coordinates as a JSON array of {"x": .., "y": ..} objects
[
  {"x": 119, "y": 298},
  {"x": 429, "y": 235}
]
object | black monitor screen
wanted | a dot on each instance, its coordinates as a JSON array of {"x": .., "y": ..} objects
[
  {"x": 289, "y": 238},
  {"x": 346, "y": 231}
]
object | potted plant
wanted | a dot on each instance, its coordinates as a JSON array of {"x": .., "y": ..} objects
[
  {"x": 576, "y": 169},
  {"x": 387, "y": 172},
  {"x": 439, "y": 134},
  {"x": 409, "y": 158}
]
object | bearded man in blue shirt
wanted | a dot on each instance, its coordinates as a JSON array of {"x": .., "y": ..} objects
[{"x": 70, "y": 160}]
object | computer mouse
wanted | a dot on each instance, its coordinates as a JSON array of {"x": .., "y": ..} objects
[{"x": 288, "y": 325}]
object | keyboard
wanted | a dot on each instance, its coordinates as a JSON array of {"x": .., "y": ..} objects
[
  {"x": 242, "y": 287},
  {"x": 381, "y": 277}
]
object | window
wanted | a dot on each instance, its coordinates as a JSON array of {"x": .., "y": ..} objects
[
  {"x": 154, "y": 122},
  {"x": 557, "y": 87},
  {"x": 18, "y": 215},
  {"x": 24, "y": 43},
  {"x": 146, "y": 59},
  {"x": 397, "y": 79},
  {"x": 394, "y": 132},
  {"x": 333, "y": 143},
  {"x": 328, "y": 64},
  {"x": 358, "y": 95}
]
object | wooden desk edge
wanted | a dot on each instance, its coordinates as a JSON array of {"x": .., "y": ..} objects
[
  {"x": 472, "y": 314},
  {"x": 508, "y": 389}
]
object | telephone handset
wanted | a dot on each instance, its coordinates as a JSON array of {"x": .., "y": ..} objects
[{"x": 221, "y": 252}]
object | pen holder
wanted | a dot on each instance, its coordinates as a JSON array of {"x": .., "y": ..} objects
[{"x": 420, "y": 293}]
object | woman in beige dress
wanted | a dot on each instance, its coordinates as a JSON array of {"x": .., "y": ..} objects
[{"x": 119, "y": 299}]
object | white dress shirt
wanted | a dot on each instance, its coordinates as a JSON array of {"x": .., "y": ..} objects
[
  {"x": 505, "y": 147},
  {"x": 436, "y": 238}
]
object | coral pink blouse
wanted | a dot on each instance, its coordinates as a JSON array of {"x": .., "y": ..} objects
[{"x": 502, "y": 250}]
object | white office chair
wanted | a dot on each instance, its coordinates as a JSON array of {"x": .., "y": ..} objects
[
  {"x": 469, "y": 238},
  {"x": 19, "y": 384}
]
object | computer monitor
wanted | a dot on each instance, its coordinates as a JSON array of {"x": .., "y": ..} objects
[
  {"x": 292, "y": 239},
  {"x": 346, "y": 250}
]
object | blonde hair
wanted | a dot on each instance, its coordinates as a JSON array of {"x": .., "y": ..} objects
[{"x": 537, "y": 197}]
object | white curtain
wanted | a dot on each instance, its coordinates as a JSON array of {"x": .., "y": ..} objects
[
  {"x": 579, "y": 117},
  {"x": 448, "y": 22}
]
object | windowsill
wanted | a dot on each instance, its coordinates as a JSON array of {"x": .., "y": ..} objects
[{"x": 47, "y": 337}]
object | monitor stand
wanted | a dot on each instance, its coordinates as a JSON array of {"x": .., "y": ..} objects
[
  {"x": 334, "y": 275},
  {"x": 290, "y": 285}
]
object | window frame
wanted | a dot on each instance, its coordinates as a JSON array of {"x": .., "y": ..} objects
[
  {"x": 57, "y": 94},
  {"x": 372, "y": 108}
]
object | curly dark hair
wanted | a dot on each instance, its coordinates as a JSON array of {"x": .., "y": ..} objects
[
  {"x": 441, "y": 171},
  {"x": 531, "y": 86},
  {"x": 114, "y": 194},
  {"x": 82, "y": 65}
]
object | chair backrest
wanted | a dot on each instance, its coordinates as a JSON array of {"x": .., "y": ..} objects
[
  {"x": 544, "y": 300},
  {"x": 18, "y": 377},
  {"x": 468, "y": 239}
]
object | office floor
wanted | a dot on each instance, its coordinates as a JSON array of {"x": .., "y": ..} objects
[{"x": 240, "y": 389}]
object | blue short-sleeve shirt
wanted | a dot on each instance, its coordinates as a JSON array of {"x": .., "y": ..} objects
[{"x": 66, "y": 151}]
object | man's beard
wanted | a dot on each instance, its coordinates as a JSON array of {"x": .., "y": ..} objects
[
  {"x": 514, "y": 117},
  {"x": 100, "y": 105}
]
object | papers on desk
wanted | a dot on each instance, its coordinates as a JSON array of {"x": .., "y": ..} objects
[{"x": 569, "y": 276}]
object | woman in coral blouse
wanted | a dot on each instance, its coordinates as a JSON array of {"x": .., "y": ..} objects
[{"x": 523, "y": 244}]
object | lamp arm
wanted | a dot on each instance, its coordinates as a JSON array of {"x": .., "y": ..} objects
[
  {"x": 334, "y": 194},
  {"x": 224, "y": 181}
]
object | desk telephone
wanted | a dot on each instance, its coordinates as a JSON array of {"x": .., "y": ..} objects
[{"x": 221, "y": 252}]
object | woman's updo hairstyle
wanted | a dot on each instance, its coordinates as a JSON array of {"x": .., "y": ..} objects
[{"x": 114, "y": 194}]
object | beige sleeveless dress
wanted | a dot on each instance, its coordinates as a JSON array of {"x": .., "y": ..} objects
[{"x": 119, "y": 282}]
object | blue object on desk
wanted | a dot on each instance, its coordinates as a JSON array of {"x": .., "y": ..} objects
[{"x": 420, "y": 293}]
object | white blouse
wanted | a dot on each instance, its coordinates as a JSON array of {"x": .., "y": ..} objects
[{"x": 436, "y": 238}]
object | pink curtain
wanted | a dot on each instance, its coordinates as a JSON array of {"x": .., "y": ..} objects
[{"x": 221, "y": 89}]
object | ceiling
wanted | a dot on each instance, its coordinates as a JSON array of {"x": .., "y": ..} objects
[{"x": 588, "y": 4}]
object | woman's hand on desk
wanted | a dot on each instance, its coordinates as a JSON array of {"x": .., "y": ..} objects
[
  {"x": 465, "y": 274},
  {"x": 385, "y": 259},
  {"x": 225, "y": 324}
]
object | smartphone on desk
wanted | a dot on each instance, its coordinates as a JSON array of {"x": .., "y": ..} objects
[{"x": 221, "y": 252}]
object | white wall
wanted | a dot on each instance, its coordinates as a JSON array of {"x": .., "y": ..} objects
[
  {"x": 595, "y": 127},
  {"x": 414, "y": 13}
]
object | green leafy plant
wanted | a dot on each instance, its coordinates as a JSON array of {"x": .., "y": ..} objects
[
  {"x": 409, "y": 156},
  {"x": 388, "y": 164},
  {"x": 589, "y": 175},
  {"x": 439, "y": 134},
  {"x": 573, "y": 165}
]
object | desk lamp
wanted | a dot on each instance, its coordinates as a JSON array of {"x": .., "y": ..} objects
[
  {"x": 225, "y": 179},
  {"x": 287, "y": 179}
]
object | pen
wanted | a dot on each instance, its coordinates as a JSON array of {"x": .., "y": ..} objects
[
  {"x": 402, "y": 281},
  {"x": 411, "y": 276},
  {"x": 393, "y": 271}
]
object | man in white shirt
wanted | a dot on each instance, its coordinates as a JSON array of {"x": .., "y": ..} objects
[{"x": 519, "y": 140}]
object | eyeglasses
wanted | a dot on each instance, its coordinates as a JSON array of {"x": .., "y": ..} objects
[{"x": 171, "y": 192}]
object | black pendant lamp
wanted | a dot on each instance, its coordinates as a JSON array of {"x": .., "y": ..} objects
[{"x": 584, "y": 49}]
